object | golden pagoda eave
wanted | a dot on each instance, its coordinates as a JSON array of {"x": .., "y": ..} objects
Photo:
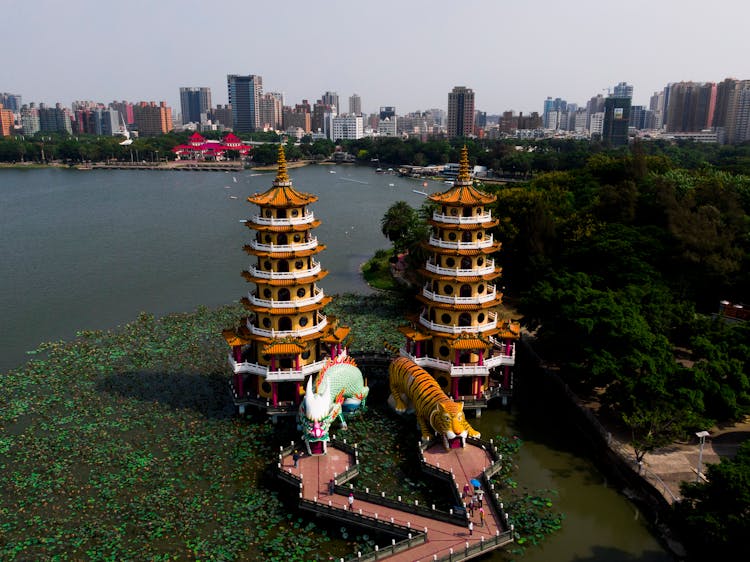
[
  {"x": 283, "y": 228},
  {"x": 286, "y": 254},
  {"x": 414, "y": 333},
  {"x": 250, "y": 278}
]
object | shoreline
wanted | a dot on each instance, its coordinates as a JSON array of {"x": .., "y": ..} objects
[{"x": 171, "y": 165}]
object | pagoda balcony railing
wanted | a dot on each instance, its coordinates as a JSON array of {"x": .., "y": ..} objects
[
  {"x": 279, "y": 375},
  {"x": 309, "y": 245},
  {"x": 486, "y": 269},
  {"x": 474, "y": 219},
  {"x": 479, "y": 299},
  {"x": 319, "y": 295},
  {"x": 487, "y": 242},
  {"x": 322, "y": 323},
  {"x": 297, "y": 274},
  {"x": 307, "y": 218},
  {"x": 452, "y": 329},
  {"x": 475, "y": 369}
]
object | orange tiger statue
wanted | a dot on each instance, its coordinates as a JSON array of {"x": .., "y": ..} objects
[{"x": 414, "y": 388}]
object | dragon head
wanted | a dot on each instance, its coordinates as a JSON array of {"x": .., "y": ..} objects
[{"x": 316, "y": 412}]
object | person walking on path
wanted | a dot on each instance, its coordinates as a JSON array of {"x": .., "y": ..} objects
[
  {"x": 351, "y": 501},
  {"x": 471, "y": 507},
  {"x": 481, "y": 516},
  {"x": 471, "y": 528},
  {"x": 331, "y": 487},
  {"x": 467, "y": 490},
  {"x": 480, "y": 497},
  {"x": 295, "y": 458}
]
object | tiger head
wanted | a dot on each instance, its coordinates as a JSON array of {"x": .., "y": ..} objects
[{"x": 449, "y": 421}]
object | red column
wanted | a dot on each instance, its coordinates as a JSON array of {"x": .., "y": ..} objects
[
  {"x": 506, "y": 377},
  {"x": 454, "y": 383},
  {"x": 481, "y": 357},
  {"x": 418, "y": 350},
  {"x": 239, "y": 385},
  {"x": 237, "y": 349},
  {"x": 275, "y": 393},
  {"x": 273, "y": 362},
  {"x": 455, "y": 362},
  {"x": 296, "y": 362}
]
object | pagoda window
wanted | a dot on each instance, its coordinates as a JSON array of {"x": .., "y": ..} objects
[
  {"x": 480, "y": 318},
  {"x": 480, "y": 235},
  {"x": 281, "y": 239},
  {"x": 465, "y": 290},
  {"x": 306, "y": 355},
  {"x": 283, "y": 266},
  {"x": 267, "y": 265},
  {"x": 452, "y": 236},
  {"x": 465, "y": 263},
  {"x": 269, "y": 213},
  {"x": 479, "y": 210},
  {"x": 266, "y": 322},
  {"x": 480, "y": 289},
  {"x": 448, "y": 290},
  {"x": 466, "y": 236},
  {"x": 467, "y": 211},
  {"x": 464, "y": 319},
  {"x": 480, "y": 260},
  {"x": 281, "y": 213},
  {"x": 301, "y": 292},
  {"x": 297, "y": 238},
  {"x": 285, "y": 324},
  {"x": 295, "y": 212},
  {"x": 267, "y": 293},
  {"x": 268, "y": 238},
  {"x": 303, "y": 321},
  {"x": 299, "y": 264},
  {"x": 445, "y": 318},
  {"x": 444, "y": 351},
  {"x": 454, "y": 211},
  {"x": 284, "y": 294},
  {"x": 450, "y": 262}
]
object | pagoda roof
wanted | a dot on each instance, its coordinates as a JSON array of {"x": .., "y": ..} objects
[
  {"x": 451, "y": 306},
  {"x": 284, "y": 282},
  {"x": 292, "y": 346},
  {"x": 283, "y": 228},
  {"x": 284, "y": 255},
  {"x": 233, "y": 337},
  {"x": 463, "y": 251},
  {"x": 337, "y": 335},
  {"x": 281, "y": 193},
  {"x": 463, "y": 191},
  {"x": 465, "y": 341},
  {"x": 290, "y": 310},
  {"x": 510, "y": 329},
  {"x": 414, "y": 334}
]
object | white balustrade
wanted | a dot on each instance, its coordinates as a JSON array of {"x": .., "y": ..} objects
[
  {"x": 296, "y": 274},
  {"x": 491, "y": 325},
  {"x": 486, "y": 242},
  {"x": 478, "y": 299},
  {"x": 474, "y": 219},
  {"x": 286, "y": 304},
  {"x": 322, "y": 323},
  {"x": 309, "y": 245},
  {"x": 277, "y": 375},
  {"x": 307, "y": 218},
  {"x": 486, "y": 269}
]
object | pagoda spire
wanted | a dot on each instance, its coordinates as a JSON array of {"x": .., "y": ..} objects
[
  {"x": 282, "y": 177},
  {"x": 464, "y": 176}
]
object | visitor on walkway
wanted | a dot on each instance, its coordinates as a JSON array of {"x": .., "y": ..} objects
[
  {"x": 481, "y": 516},
  {"x": 331, "y": 487},
  {"x": 351, "y": 501},
  {"x": 471, "y": 528},
  {"x": 467, "y": 490},
  {"x": 480, "y": 497},
  {"x": 471, "y": 507},
  {"x": 295, "y": 458}
]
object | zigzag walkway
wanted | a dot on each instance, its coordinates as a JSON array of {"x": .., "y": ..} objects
[{"x": 423, "y": 533}]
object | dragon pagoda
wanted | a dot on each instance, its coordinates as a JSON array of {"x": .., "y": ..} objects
[
  {"x": 459, "y": 336},
  {"x": 285, "y": 338}
]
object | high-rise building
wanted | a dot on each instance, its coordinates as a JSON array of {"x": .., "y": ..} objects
[
  {"x": 244, "y": 97},
  {"x": 222, "y": 114},
  {"x": 125, "y": 109},
  {"x": 738, "y": 113},
  {"x": 355, "y": 104},
  {"x": 11, "y": 102},
  {"x": 461, "y": 112},
  {"x": 56, "y": 118},
  {"x": 347, "y": 127},
  {"x": 271, "y": 109},
  {"x": 616, "y": 121},
  {"x": 152, "y": 119},
  {"x": 6, "y": 121},
  {"x": 690, "y": 106},
  {"x": 331, "y": 99},
  {"x": 298, "y": 117},
  {"x": 594, "y": 105},
  {"x": 656, "y": 106},
  {"x": 553, "y": 112},
  {"x": 387, "y": 112},
  {"x": 623, "y": 90},
  {"x": 195, "y": 103},
  {"x": 30, "y": 119}
]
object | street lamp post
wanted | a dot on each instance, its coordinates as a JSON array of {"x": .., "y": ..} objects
[{"x": 702, "y": 436}]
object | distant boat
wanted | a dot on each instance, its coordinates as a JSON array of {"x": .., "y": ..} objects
[
  {"x": 379, "y": 171},
  {"x": 227, "y": 187},
  {"x": 391, "y": 185},
  {"x": 331, "y": 171},
  {"x": 448, "y": 182},
  {"x": 234, "y": 179},
  {"x": 420, "y": 192},
  {"x": 233, "y": 197}
]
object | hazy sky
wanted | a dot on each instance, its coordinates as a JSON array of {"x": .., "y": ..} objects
[{"x": 407, "y": 53}]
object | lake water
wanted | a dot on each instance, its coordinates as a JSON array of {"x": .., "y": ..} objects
[{"x": 90, "y": 250}]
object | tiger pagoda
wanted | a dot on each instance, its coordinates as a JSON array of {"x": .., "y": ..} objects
[
  {"x": 285, "y": 338},
  {"x": 459, "y": 336}
]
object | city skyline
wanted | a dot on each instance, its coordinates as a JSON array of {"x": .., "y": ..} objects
[{"x": 512, "y": 55}]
